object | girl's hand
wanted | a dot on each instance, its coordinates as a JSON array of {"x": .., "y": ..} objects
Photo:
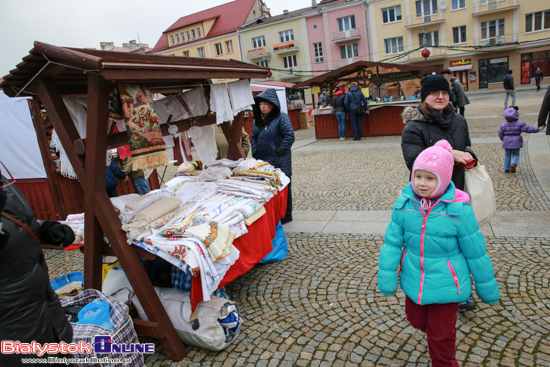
[{"x": 462, "y": 157}]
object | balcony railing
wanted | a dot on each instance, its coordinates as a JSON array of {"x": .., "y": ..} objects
[
  {"x": 493, "y": 6},
  {"x": 414, "y": 21},
  {"x": 497, "y": 41},
  {"x": 352, "y": 34}
]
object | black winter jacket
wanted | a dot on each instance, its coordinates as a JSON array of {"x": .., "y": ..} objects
[
  {"x": 339, "y": 105},
  {"x": 29, "y": 308},
  {"x": 273, "y": 136},
  {"x": 544, "y": 113},
  {"x": 508, "y": 82},
  {"x": 421, "y": 132}
]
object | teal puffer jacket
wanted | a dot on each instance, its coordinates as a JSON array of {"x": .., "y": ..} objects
[{"x": 436, "y": 250}]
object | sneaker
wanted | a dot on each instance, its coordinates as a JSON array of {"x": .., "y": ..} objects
[
  {"x": 342, "y": 138},
  {"x": 467, "y": 305},
  {"x": 513, "y": 168}
]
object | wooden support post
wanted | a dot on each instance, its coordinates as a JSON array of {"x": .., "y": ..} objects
[{"x": 233, "y": 134}]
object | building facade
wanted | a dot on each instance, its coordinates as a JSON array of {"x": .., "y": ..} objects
[{"x": 477, "y": 40}]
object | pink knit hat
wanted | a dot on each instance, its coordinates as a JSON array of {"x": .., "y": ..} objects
[{"x": 438, "y": 160}]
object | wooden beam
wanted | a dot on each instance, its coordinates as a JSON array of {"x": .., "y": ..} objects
[
  {"x": 62, "y": 122},
  {"x": 233, "y": 133},
  {"x": 68, "y": 56},
  {"x": 143, "y": 76},
  {"x": 53, "y": 184}
]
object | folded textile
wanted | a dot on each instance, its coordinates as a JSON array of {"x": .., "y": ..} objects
[
  {"x": 153, "y": 216},
  {"x": 219, "y": 103},
  {"x": 205, "y": 144},
  {"x": 254, "y": 217},
  {"x": 213, "y": 174},
  {"x": 241, "y": 96},
  {"x": 224, "y": 162}
]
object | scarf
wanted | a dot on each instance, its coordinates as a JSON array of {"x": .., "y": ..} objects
[
  {"x": 445, "y": 119},
  {"x": 142, "y": 126}
]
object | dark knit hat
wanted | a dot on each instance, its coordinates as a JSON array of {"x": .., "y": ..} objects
[{"x": 433, "y": 83}]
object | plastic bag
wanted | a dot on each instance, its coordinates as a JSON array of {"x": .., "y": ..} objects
[{"x": 96, "y": 313}]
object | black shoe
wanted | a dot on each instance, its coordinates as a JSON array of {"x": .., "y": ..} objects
[
  {"x": 467, "y": 305},
  {"x": 286, "y": 220}
]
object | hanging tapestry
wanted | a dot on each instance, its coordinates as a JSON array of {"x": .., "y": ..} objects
[{"x": 142, "y": 126}]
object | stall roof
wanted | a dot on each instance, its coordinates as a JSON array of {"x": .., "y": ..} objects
[
  {"x": 334, "y": 76},
  {"x": 69, "y": 68}
]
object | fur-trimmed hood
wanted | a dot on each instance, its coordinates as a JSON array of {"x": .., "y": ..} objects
[{"x": 412, "y": 113}]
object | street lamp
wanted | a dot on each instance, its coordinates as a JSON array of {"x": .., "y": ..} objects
[{"x": 425, "y": 52}]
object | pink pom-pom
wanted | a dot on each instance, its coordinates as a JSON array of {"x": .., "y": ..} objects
[{"x": 444, "y": 144}]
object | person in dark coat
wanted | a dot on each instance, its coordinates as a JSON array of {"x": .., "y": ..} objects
[
  {"x": 431, "y": 121},
  {"x": 461, "y": 97},
  {"x": 340, "y": 109},
  {"x": 510, "y": 135},
  {"x": 353, "y": 99},
  {"x": 538, "y": 78},
  {"x": 272, "y": 138},
  {"x": 111, "y": 173},
  {"x": 509, "y": 90},
  {"x": 29, "y": 308},
  {"x": 544, "y": 112}
]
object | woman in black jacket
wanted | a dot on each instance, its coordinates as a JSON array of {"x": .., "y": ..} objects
[
  {"x": 432, "y": 120},
  {"x": 29, "y": 308}
]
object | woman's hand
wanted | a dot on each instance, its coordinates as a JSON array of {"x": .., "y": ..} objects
[{"x": 462, "y": 157}]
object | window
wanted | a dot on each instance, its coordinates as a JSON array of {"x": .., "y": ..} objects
[
  {"x": 193, "y": 33},
  {"x": 318, "y": 51},
  {"x": 188, "y": 36},
  {"x": 394, "y": 45},
  {"x": 537, "y": 21},
  {"x": 290, "y": 61},
  {"x": 199, "y": 32},
  {"x": 172, "y": 39},
  {"x": 314, "y": 26},
  {"x": 458, "y": 4},
  {"x": 182, "y": 37},
  {"x": 346, "y": 24},
  {"x": 177, "y": 38},
  {"x": 492, "y": 29},
  {"x": 432, "y": 39},
  {"x": 426, "y": 7},
  {"x": 349, "y": 51},
  {"x": 229, "y": 46},
  {"x": 186, "y": 53},
  {"x": 258, "y": 42},
  {"x": 286, "y": 36},
  {"x": 459, "y": 34},
  {"x": 390, "y": 15},
  {"x": 263, "y": 63},
  {"x": 219, "y": 50},
  {"x": 201, "y": 52},
  {"x": 492, "y": 71}
]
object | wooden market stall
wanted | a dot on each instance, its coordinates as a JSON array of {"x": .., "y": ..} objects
[
  {"x": 48, "y": 74},
  {"x": 395, "y": 85}
]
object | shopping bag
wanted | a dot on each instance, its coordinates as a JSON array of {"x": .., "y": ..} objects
[{"x": 478, "y": 184}]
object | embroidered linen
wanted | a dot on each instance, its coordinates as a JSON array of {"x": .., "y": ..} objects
[
  {"x": 241, "y": 96},
  {"x": 219, "y": 103},
  {"x": 205, "y": 144},
  {"x": 153, "y": 216},
  {"x": 182, "y": 106}
]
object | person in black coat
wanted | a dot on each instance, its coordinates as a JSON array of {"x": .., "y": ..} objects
[
  {"x": 29, "y": 308},
  {"x": 113, "y": 172},
  {"x": 544, "y": 112},
  {"x": 272, "y": 138},
  {"x": 431, "y": 121}
]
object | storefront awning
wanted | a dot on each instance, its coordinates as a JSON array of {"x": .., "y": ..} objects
[{"x": 461, "y": 67}]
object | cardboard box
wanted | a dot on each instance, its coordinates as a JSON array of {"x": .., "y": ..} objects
[
  {"x": 310, "y": 124},
  {"x": 303, "y": 117},
  {"x": 303, "y": 124}
]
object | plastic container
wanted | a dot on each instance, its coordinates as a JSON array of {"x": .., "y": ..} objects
[{"x": 62, "y": 281}]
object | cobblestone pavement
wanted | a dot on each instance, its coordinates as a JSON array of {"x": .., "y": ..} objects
[{"x": 320, "y": 306}]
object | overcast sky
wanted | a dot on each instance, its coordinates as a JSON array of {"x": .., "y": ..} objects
[{"x": 80, "y": 23}]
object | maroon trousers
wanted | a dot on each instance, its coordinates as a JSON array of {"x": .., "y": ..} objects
[{"x": 438, "y": 321}]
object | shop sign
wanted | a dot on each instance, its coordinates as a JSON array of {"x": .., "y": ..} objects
[
  {"x": 461, "y": 62},
  {"x": 380, "y": 79},
  {"x": 499, "y": 60},
  {"x": 255, "y": 51},
  {"x": 473, "y": 77},
  {"x": 283, "y": 45}
]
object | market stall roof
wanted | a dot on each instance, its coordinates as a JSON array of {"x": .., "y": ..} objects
[
  {"x": 381, "y": 73},
  {"x": 70, "y": 67}
]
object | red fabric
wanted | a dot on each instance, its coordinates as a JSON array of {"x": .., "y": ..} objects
[
  {"x": 124, "y": 151},
  {"x": 257, "y": 243},
  {"x": 470, "y": 164},
  {"x": 196, "y": 291},
  {"x": 438, "y": 321}
]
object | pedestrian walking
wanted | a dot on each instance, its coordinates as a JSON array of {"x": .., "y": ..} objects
[
  {"x": 461, "y": 97},
  {"x": 510, "y": 135},
  {"x": 538, "y": 78},
  {"x": 431, "y": 246},
  {"x": 544, "y": 113},
  {"x": 356, "y": 105},
  {"x": 340, "y": 110},
  {"x": 509, "y": 89}
]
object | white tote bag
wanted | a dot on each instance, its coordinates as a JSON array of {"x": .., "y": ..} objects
[{"x": 479, "y": 186}]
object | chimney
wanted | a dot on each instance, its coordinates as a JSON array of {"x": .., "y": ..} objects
[
  {"x": 286, "y": 11},
  {"x": 313, "y": 3},
  {"x": 133, "y": 45},
  {"x": 107, "y": 46}
]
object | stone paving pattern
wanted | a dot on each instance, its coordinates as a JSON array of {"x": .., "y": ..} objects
[{"x": 320, "y": 306}]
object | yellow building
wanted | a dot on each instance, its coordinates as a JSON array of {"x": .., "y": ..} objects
[
  {"x": 477, "y": 40},
  {"x": 211, "y": 33}
]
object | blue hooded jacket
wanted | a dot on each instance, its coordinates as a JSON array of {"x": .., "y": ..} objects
[
  {"x": 435, "y": 249},
  {"x": 353, "y": 97},
  {"x": 112, "y": 172},
  {"x": 272, "y": 136}
]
